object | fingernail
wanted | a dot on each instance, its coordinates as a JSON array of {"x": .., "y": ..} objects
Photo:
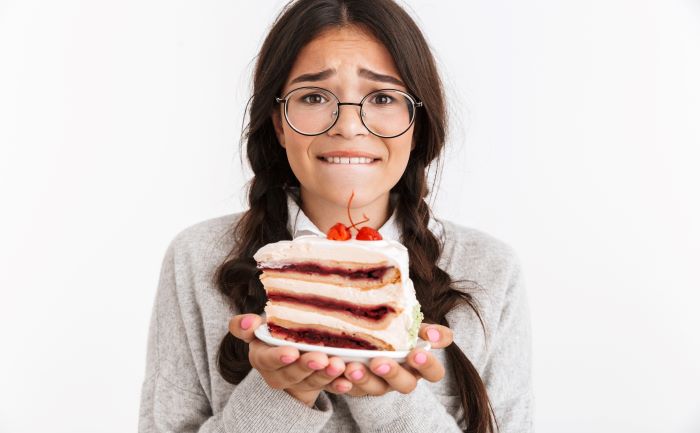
[
  {"x": 420, "y": 358},
  {"x": 433, "y": 335},
  {"x": 287, "y": 359},
  {"x": 357, "y": 374},
  {"x": 343, "y": 387},
  {"x": 382, "y": 369},
  {"x": 246, "y": 322},
  {"x": 332, "y": 371},
  {"x": 314, "y": 365}
]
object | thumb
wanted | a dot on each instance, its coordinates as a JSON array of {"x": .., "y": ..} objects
[
  {"x": 243, "y": 326},
  {"x": 439, "y": 336}
]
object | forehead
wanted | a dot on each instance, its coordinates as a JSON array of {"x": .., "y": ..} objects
[{"x": 347, "y": 50}]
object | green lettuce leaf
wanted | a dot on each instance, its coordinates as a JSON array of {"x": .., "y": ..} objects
[{"x": 417, "y": 320}]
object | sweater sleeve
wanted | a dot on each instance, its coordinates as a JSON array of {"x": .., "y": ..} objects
[
  {"x": 507, "y": 372},
  {"x": 417, "y": 411},
  {"x": 173, "y": 398}
]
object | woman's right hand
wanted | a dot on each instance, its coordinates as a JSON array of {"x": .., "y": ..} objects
[{"x": 301, "y": 376}]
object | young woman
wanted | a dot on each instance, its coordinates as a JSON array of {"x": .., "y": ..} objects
[{"x": 346, "y": 99}]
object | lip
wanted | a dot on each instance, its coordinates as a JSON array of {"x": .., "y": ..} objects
[
  {"x": 349, "y": 166},
  {"x": 348, "y": 154}
]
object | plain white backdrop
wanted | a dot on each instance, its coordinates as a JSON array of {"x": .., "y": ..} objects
[{"x": 575, "y": 139}]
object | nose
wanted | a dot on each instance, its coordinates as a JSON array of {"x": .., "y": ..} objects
[{"x": 349, "y": 123}]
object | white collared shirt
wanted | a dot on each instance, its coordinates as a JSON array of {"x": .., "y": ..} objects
[{"x": 299, "y": 224}]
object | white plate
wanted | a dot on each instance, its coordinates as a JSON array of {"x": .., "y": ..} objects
[{"x": 347, "y": 355}]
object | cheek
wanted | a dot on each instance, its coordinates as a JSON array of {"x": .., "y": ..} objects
[
  {"x": 297, "y": 148},
  {"x": 400, "y": 152}
]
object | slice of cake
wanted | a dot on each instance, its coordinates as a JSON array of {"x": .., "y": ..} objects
[{"x": 352, "y": 294}]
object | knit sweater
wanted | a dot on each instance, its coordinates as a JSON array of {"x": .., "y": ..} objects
[{"x": 183, "y": 391}]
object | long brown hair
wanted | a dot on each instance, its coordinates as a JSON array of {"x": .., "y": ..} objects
[{"x": 266, "y": 219}]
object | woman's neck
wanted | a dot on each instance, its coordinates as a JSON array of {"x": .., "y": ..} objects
[{"x": 324, "y": 213}]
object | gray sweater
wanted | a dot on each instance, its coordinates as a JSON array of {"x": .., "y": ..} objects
[{"x": 184, "y": 392}]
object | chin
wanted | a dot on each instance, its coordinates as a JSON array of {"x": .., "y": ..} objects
[{"x": 362, "y": 196}]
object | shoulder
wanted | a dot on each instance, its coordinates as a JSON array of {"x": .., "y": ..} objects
[
  {"x": 482, "y": 251},
  {"x": 205, "y": 232},
  {"x": 202, "y": 246},
  {"x": 480, "y": 263},
  {"x": 489, "y": 269}
]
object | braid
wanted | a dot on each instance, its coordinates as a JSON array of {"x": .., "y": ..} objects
[
  {"x": 237, "y": 277},
  {"x": 435, "y": 292}
]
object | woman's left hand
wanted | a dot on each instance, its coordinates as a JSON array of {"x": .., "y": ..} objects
[{"x": 385, "y": 375}]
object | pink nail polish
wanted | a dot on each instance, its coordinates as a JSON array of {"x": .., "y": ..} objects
[
  {"x": 287, "y": 359},
  {"x": 357, "y": 374},
  {"x": 433, "y": 335},
  {"x": 383, "y": 369},
  {"x": 246, "y": 322},
  {"x": 314, "y": 365},
  {"x": 420, "y": 358},
  {"x": 332, "y": 371}
]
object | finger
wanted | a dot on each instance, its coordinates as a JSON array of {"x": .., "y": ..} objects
[
  {"x": 307, "y": 364},
  {"x": 439, "y": 336},
  {"x": 412, "y": 370},
  {"x": 426, "y": 364},
  {"x": 264, "y": 357},
  {"x": 320, "y": 378},
  {"x": 243, "y": 326},
  {"x": 339, "y": 386},
  {"x": 364, "y": 380},
  {"x": 396, "y": 376},
  {"x": 335, "y": 368}
]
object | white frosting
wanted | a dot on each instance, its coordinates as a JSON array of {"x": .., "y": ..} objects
[
  {"x": 312, "y": 247},
  {"x": 388, "y": 293},
  {"x": 395, "y": 334}
]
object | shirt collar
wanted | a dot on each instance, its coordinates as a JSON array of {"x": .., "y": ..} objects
[{"x": 299, "y": 224}]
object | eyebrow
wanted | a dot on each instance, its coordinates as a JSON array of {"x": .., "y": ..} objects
[{"x": 362, "y": 72}]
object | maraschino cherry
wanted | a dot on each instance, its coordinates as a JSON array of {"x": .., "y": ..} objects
[
  {"x": 341, "y": 232},
  {"x": 368, "y": 234}
]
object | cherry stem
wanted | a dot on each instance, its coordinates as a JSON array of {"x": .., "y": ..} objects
[
  {"x": 362, "y": 222},
  {"x": 352, "y": 224}
]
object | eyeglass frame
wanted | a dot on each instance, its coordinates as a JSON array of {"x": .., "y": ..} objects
[{"x": 416, "y": 104}]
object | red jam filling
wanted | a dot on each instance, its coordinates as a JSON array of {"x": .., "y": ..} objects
[
  {"x": 320, "y": 338},
  {"x": 375, "y": 273},
  {"x": 375, "y": 313}
]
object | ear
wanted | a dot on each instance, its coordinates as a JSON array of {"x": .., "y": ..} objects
[{"x": 277, "y": 123}]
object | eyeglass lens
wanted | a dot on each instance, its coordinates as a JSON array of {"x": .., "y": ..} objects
[{"x": 385, "y": 113}]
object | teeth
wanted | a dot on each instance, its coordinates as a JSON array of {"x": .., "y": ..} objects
[{"x": 346, "y": 160}]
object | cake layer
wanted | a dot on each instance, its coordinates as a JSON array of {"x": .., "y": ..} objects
[
  {"x": 395, "y": 335},
  {"x": 351, "y": 271},
  {"x": 388, "y": 294},
  {"x": 312, "y": 248},
  {"x": 346, "y": 316},
  {"x": 391, "y": 278},
  {"x": 323, "y": 336},
  {"x": 373, "y": 313}
]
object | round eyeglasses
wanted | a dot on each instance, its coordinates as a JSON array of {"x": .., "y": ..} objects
[{"x": 386, "y": 113}]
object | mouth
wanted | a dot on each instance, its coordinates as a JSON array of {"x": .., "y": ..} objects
[{"x": 344, "y": 160}]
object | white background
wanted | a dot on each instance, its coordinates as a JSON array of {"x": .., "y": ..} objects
[{"x": 576, "y": 137}]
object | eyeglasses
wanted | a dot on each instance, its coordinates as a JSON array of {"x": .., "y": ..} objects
[{"x": 386, "y": 113}]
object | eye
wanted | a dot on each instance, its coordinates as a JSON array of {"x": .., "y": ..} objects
[
  {"x": 382, "y": 99},
  {"x": 314, "y": 98}
]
